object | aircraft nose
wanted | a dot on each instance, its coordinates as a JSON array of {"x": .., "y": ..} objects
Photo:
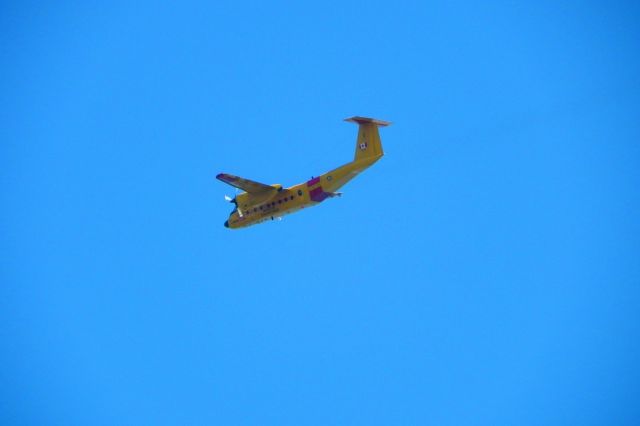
[{"x": 226, "y": 224}]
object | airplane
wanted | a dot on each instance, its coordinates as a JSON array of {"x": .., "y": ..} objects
[{"x": 261, "y": 202}]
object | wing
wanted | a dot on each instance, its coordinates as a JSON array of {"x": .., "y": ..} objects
[{"x": 245, "y": 184}]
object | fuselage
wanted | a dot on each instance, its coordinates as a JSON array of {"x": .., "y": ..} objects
[{"x": 297, "y": 197}]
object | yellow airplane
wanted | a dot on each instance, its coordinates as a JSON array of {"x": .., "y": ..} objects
[{"x": 262, "y": 202}]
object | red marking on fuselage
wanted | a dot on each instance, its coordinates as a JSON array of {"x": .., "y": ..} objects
[
  {"x": 317, "y": 194},
  {"x": 313, "y": 181}
]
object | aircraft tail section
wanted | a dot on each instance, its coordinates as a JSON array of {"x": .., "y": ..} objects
[{"x": 368, "y": 145}]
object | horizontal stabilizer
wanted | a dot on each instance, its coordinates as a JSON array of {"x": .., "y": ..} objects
[{"x": 365, "y": 120}]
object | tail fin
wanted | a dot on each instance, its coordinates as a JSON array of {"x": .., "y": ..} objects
[{"x": 368, "y": 143}]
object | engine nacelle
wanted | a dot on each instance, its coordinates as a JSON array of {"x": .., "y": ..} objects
[
  {"x": 242, "y": 199},
  {"x": 245, "y": 200}
]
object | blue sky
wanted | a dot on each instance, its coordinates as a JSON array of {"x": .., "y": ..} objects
[{"x": 484, "y": 272}]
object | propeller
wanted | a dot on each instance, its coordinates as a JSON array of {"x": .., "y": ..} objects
[{"x": 233, "y": 200}]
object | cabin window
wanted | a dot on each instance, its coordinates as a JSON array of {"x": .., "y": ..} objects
[
  {"x": 292, "y": 197},
  {"x": 255, "y": 209},
  {"x": 300, "y": 192}
]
